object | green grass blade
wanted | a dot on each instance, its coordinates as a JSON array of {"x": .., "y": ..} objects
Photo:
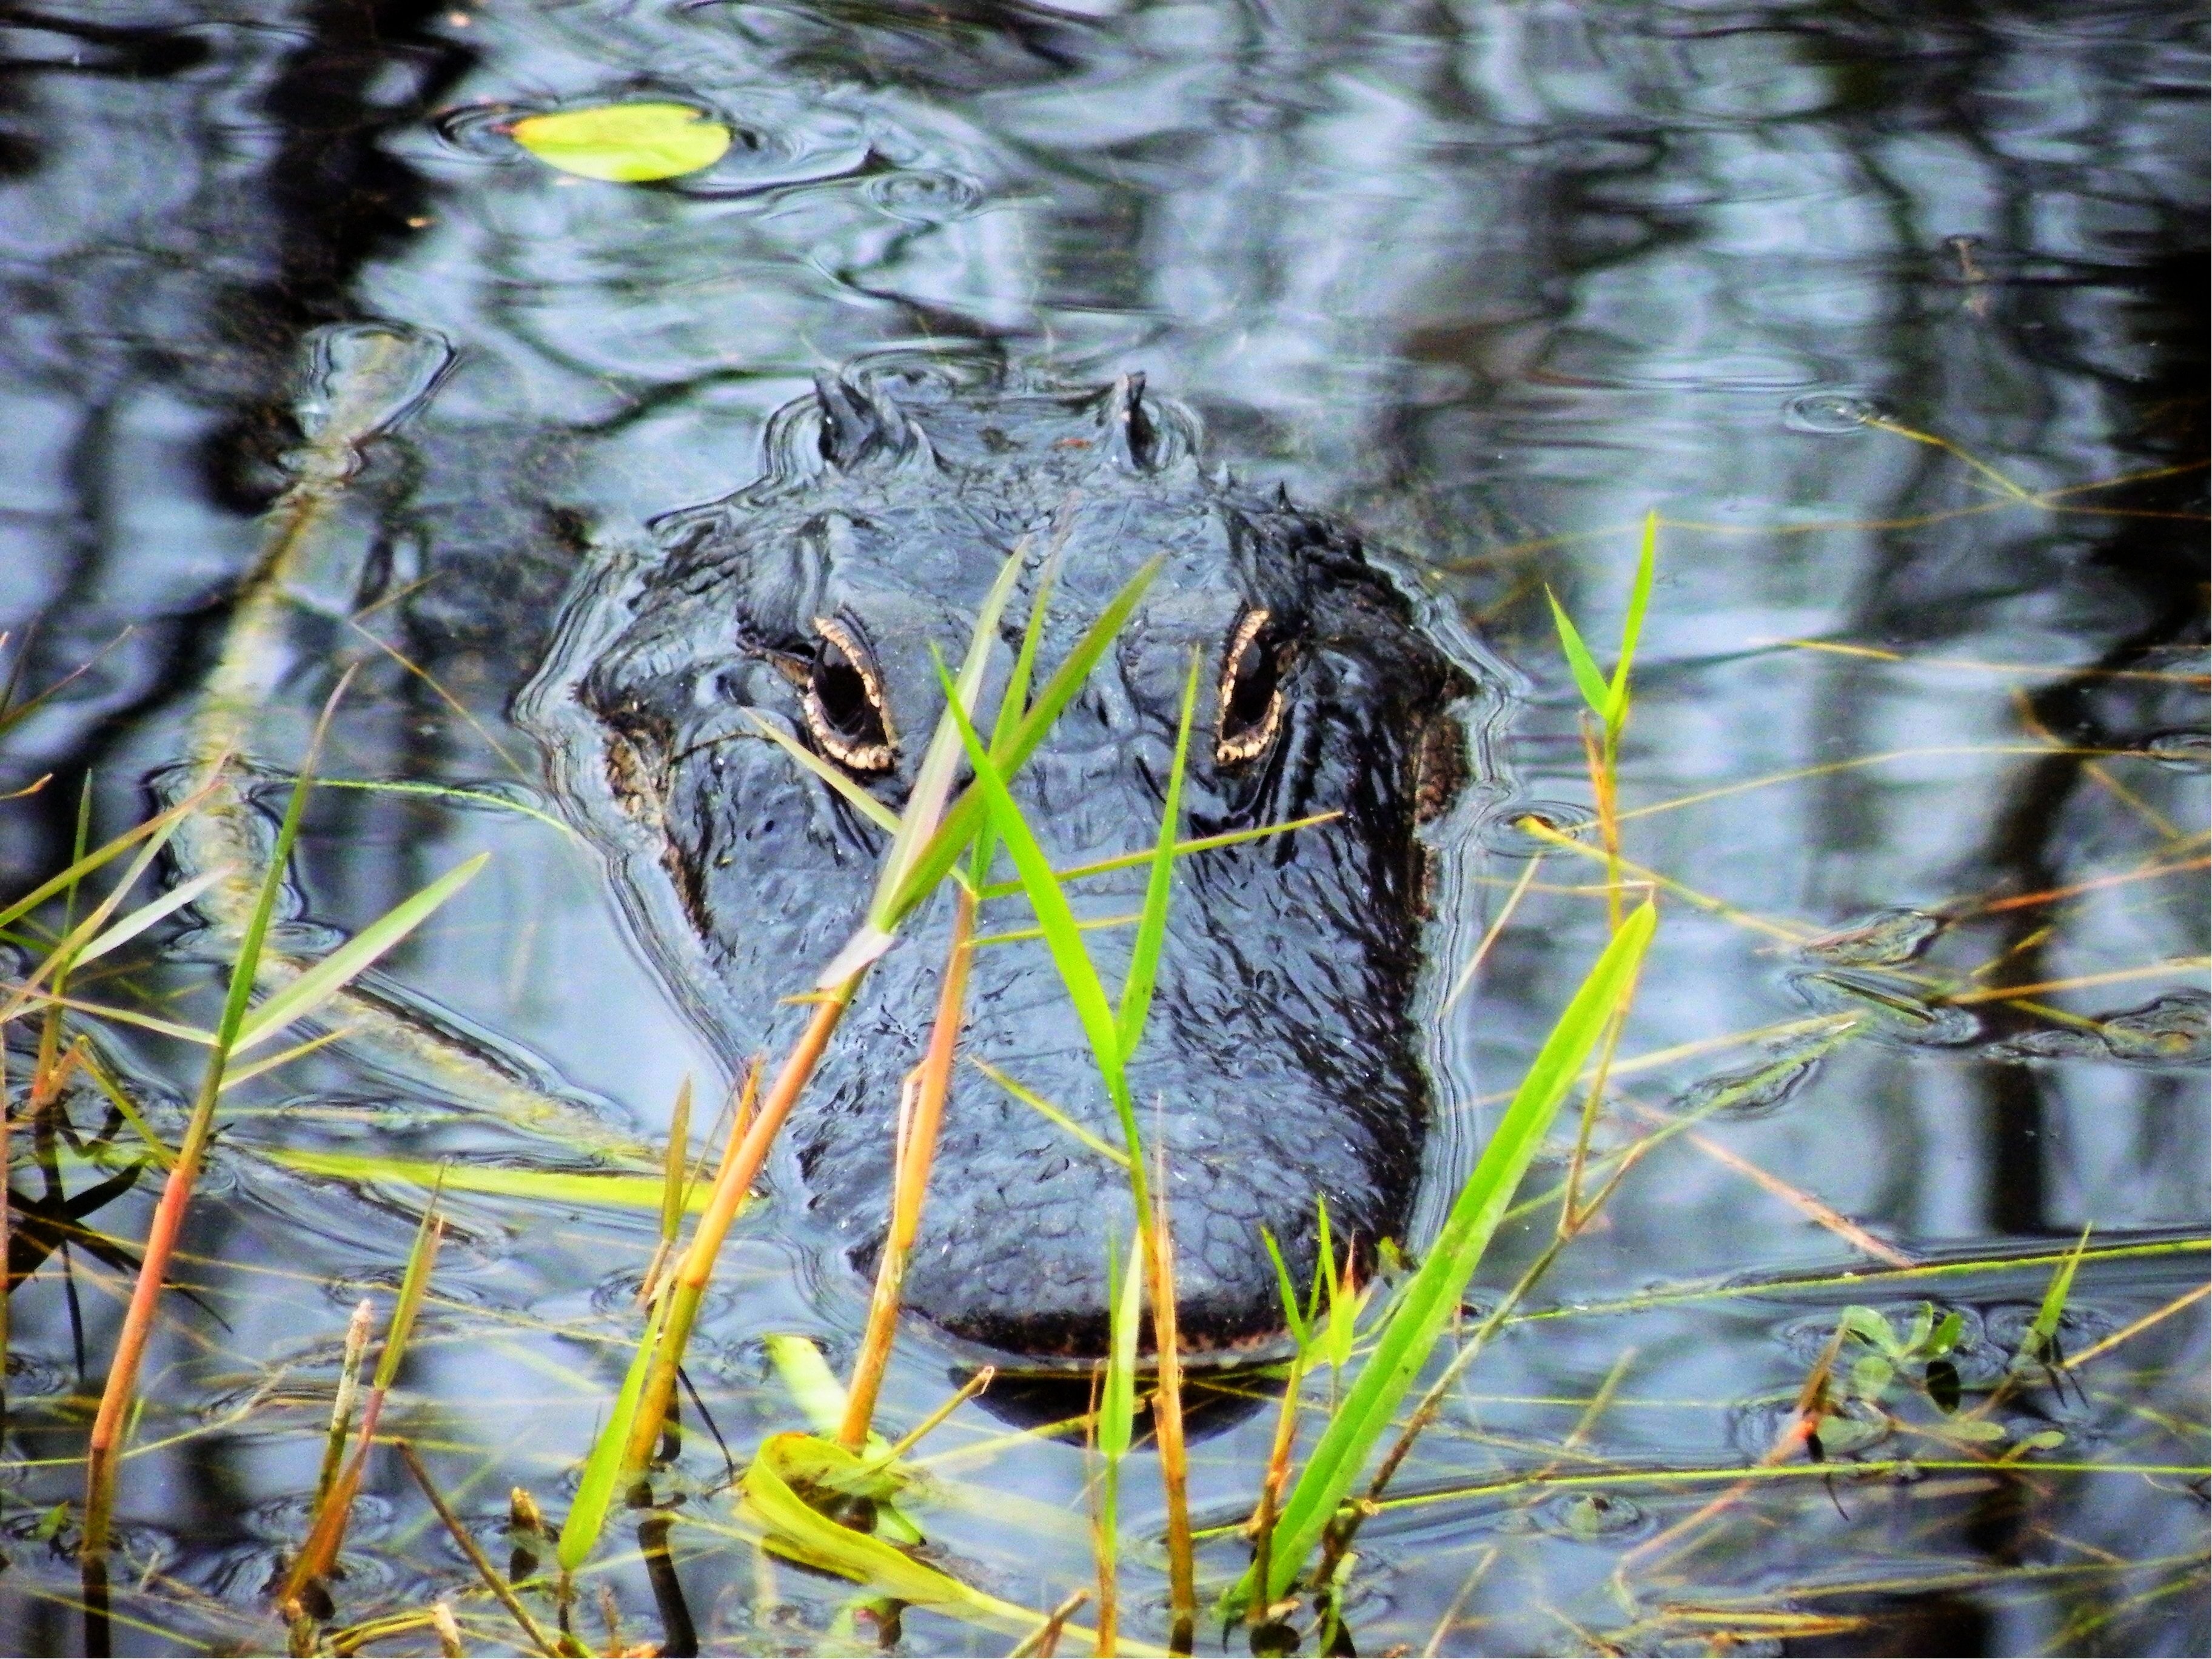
[
  {"x": 1117, "y": 1407},
  {"x": 412, "y": 1284},
  {"x": 1289, "y": 1292},
  {"x": 958, "y": 831},
  {"x": 1061, "y": 935},
  {"x": 857, "y": 798},
  {"x": 319, "y": 983},
  {"x": 933, "y": 781},
  {"x": 156, "y": 1148},
  {"x": 542, "y": 1187},
  {"x": 1343, "y": 1306},
  {"x": 123, "y": 932},
  {"x": 814, "y": 1387},
  {"x": 77, "y": 936},
  {"x": 587, "y": 1514},
  {"x": 162, "y": 823},
  {"x": 2044, "y": 1331},
  {"x": 1183, "y": 849},
  {"x": 1153, "y": 929},
  {"x": 1631, "y": 628},
  {"x": 679, "y": 1158},
  {"x": 1587, "y": 676},
  {"x": 1052, "y": 1113},
  {"x": 803, "y": 1535},
  {"x": 1014, "y": 703},
  {"x": 1404, "y": 1345},
  {"x": 920, "y": 830}
]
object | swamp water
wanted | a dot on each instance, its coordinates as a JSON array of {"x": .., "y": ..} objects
[{"x": 1894, "y": 314}]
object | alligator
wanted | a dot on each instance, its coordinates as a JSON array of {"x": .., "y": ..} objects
[{"x": 1283, "y": 1063}]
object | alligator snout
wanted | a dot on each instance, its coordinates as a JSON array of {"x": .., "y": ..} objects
[{"x": 1280, "y": 1070}]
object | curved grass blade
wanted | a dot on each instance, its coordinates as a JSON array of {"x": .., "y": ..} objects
[
  {"x": 1616, "y": 711},
  {"x": 1152, "y": 930},
  {"x": 798, "y": 1531},
  {"x": 923, "y": 818},
  {"x": 603, "y": 1469},
  {"x": 327, "y": 977},
  {"x": 1588, "y": 678},
  {"x": 1404, "y": 1344},
  {"x": 966, "y": 817}
]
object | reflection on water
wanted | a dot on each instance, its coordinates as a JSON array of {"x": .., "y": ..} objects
[{"x": 1893, "y": 312}]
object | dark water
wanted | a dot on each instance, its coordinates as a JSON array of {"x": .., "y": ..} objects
[{"x": 1494, "y": 279}]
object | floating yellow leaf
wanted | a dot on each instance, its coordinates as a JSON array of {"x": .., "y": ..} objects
[
  {"x": 800, "y": 1533},
  {"x": 625, "y": 143}
]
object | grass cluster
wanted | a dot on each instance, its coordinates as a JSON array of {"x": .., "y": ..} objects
[{"x": 835, "y": 1495}]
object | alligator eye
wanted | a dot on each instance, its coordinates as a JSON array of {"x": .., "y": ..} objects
[
  {"x": 844, "y": 701},
  {"x": 1251, "y": 691}
]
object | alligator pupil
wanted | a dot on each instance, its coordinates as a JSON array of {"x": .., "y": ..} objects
[
  {"x": 843, "y": 695},
  {"x": 1253, "y": 687}
]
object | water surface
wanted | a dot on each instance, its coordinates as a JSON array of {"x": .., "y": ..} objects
[{"x": 1894, "y": 314}]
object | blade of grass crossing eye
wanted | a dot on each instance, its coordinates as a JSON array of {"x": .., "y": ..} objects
[
  {"x": 323, "y": 981},
  {"x": 958, "y": 831},
  {"x": 587, "y": 1514},
  {"x": 921, "y": 826},
  {"x": 1403, "y": 1346},
  {"x": 855, "y": 797},
  {"x": 933, "y": 781},
  {"x": 1587, "y": 676},
  {"x": 1014, "y": 703},
  {"x": 1061, "y": 936},
  {"x": 1616, "y": 711},
  {"x": 1153, "y": 929}
]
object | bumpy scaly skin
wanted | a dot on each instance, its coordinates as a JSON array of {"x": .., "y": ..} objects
[{"x": 1279, "y": 1061}]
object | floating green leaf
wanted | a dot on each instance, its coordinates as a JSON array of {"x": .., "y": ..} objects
[{"x": 625, "y": 143}]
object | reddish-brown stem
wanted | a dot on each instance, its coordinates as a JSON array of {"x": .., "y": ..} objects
[
  {"x": 917, "y": 1149},
  {"x": 741, "y": 1167},
  {"x": 1167, "y": 1429}
]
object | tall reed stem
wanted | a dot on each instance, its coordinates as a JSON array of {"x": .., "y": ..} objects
[
  {"x": 917, "y": 1149},
  {"x": 741, "y": 1167},
  {"x": 1167, "y": 1430}
]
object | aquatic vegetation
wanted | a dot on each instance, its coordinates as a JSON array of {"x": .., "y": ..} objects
[
  {"x": 1846, "y": 1295},
  {"x": 624, "y": 143}
]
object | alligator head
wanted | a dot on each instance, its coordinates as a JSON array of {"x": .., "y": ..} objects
[{"x": 1281, "y": 1063}]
